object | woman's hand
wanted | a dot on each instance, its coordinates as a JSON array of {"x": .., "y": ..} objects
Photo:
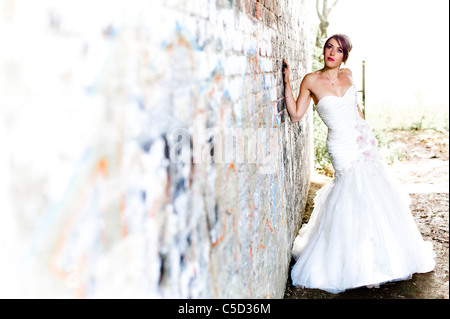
[{"x": 286, "y": 71}]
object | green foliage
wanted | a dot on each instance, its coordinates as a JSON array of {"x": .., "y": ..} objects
[
  {"x": 391, "y": 153},
  {"x": 415, "y": 115},
  {"x": 317, "y": 61}
]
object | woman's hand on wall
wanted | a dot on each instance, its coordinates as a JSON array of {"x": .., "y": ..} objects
[{"x": 286, "y": 71}]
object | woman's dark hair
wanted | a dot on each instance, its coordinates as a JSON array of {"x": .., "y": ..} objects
[{"x": 344, "y": 43}]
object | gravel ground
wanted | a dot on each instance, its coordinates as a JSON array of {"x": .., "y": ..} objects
[{"x": 424, "y": 171}]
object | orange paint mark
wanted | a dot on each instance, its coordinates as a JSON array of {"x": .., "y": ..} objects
[
  {"x": 123, "y": 217},
  {"x": 270, "y": 226},
  {"x": 234, "y": 220},
  {"x": 271, "y": 230},
  {"x": 229, "y": 168},
  {"x": 81, "y": 291},
  {"x": 222, "y": 114},
  {"x": 102, "y": 167},
  {"x": 212, "y": 275},
  {"x": 261, "y": 118},
  {"x": 157, "y": 204},
  {"x": 223, "y": 233},
  {"x": 62, "y": 240}
]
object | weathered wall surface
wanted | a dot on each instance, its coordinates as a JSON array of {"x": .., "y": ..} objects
[{"x": 146, "y": 151}]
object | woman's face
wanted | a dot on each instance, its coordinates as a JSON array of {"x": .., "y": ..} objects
[{"x": 333, "y": 54}]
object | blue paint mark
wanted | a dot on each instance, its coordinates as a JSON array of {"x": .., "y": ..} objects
[
  {"x": 92, "y": 89},
  {"x": 146, "y": 145},
  {"x": 278, "y": 121},
  {"x": 140, "y": 102},
  {"x": 218, "y": 69},
  {"x": 266, "y": 85},
  {"x": 184, "y": 33},
  {"x": 252, "y": 52},
  {"x": 49, "y": 216}
]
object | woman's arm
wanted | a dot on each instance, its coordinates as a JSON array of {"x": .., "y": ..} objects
[
  {"x": 297, "y": 108},
  {"x": 359, "y": 111}
]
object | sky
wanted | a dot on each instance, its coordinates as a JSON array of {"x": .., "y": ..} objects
[{"x": 405, "y": 44}]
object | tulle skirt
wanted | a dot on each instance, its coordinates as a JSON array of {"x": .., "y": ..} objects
[{"x": 360, "y": 233}]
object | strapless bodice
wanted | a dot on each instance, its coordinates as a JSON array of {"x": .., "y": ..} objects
[
  {"x": 349, "y": 137},
  {"x": 338, "y": 112}
]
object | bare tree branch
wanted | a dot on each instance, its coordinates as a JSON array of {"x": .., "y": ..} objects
[
  {"x": 333, "y": 5},
  {"x": 318, "y": 11},
  {"x": 325, "y": 9},
  {"x": 323, "y": 17}
]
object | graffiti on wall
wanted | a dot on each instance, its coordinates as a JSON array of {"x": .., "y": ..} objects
[{"x": 157, "y": 166}]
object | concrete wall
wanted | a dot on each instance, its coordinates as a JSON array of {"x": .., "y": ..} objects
[{"x": 146, "y": 150}]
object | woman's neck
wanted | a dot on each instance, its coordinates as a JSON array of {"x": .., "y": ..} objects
[{"x": 332, "y": 72}]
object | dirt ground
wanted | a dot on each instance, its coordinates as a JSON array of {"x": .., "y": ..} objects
[{"x": 424, "y": 171}]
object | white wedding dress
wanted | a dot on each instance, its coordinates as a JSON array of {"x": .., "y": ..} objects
[{"x": 361, "y": 231}]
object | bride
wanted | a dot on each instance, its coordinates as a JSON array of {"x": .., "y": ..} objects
[{"x": 361, "y": 231}]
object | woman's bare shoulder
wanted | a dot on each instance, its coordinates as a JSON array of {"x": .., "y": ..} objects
[
  {"x": 347, "y": 71},
  {"x": 348, "y": 74},
  {"x": 311, "y": 78},
  {"x": 315, "y": 74}
]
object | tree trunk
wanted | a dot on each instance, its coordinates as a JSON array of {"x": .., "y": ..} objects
[{"x": 323, "y": 16}]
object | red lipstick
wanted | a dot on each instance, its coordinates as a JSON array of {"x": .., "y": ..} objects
[{"x": 330, "y": 59}]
